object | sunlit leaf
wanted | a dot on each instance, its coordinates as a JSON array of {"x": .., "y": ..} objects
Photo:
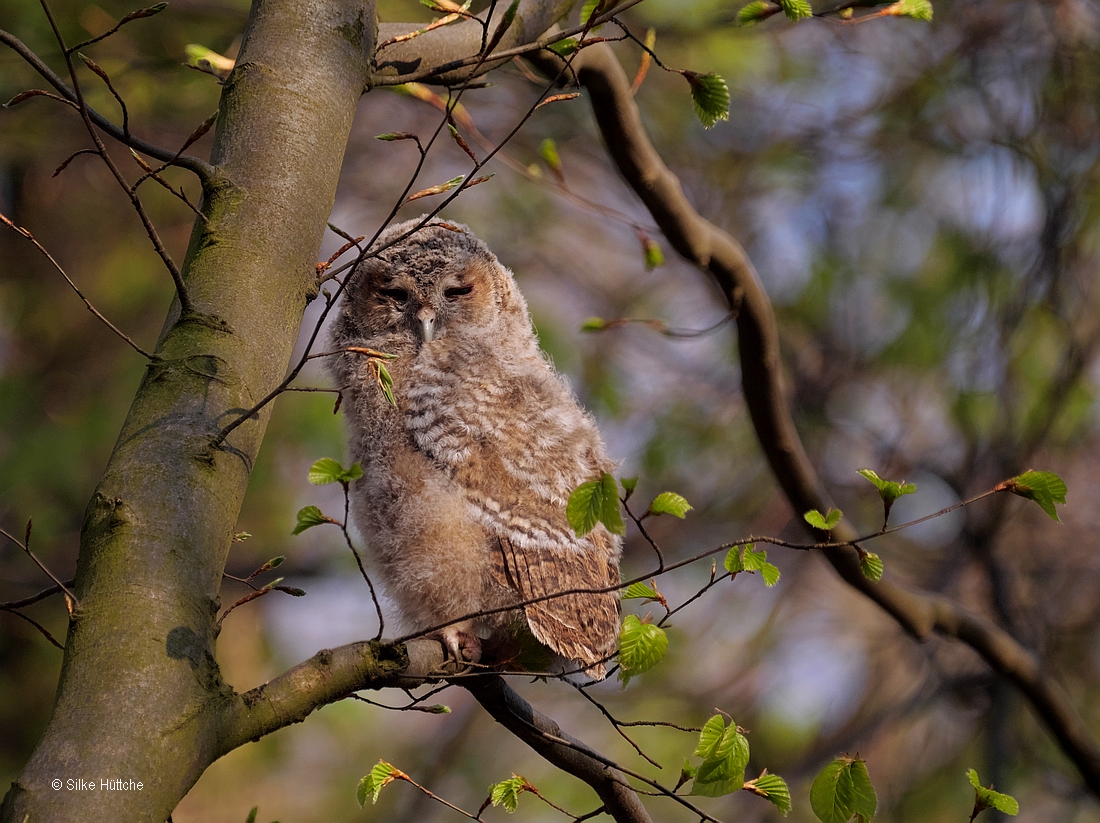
[
  {"x": 639, "y": 591},
  {"x": 916, "y": 9},
  {"x": 796, "y": 9},
  {"x": 309, "y": 517},
  {"x": 641, "y": 647},
  {"x": 755, "y": 12},
  {"x": 871, "y": 566},
  {"x": 774, "y": 789},
  {"x": 711, "y": 97},
  {"x": 670, "y": 503},
  {"x": 825, "y": 522},
  {"x": 725, "y": 753},
  {"x": 381, "y": 775},
  {"x": 326, "y": 470},
  {"x": 506, "y": 793},
  {"x": 1045, "y": 488},
  {"x": 986, "y": 798},
  {"x": 843, "y": 790},
  {"x": 596, "y": 501}
]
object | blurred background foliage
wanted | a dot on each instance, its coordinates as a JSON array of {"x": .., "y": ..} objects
[{"x": 921, "y": 202}]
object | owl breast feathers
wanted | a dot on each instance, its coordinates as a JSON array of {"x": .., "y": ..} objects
[{"x": 466, "y": 481}]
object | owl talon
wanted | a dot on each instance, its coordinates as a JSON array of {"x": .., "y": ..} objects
[{"x": 462, "y": 645}]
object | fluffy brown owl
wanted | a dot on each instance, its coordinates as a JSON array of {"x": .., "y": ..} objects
[{"x": 465, "y": 484}]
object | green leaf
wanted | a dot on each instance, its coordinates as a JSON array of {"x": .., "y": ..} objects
[
  {"x": 564, "y": 48},
  {"x": 326, "y": 470},
  {"x": 252, "y": 815},
  {"x": 641, "y": 647},
  {"x": 386, "y": 383},
  {"x": 610, "y": 515},
  {"x": 825, "y": 522},
  {"x": 916, "y": 9},
  {"x": 589, "y": 8},
  {"x": 986, "y": 798},
  {"x": 889, "y": 490},
  {"x": 507, "y": 792},
  {"x": 654, "y": 257},
  {"x": 770, "y": 574},
  {"x": 725, "y": 753},
  {"x": 842, "y": 790},
  {"x": 629, "y": 484},
  {"x": 756, "y": 12},
  {"x": 640, "y": 591},
  {"x": 548, "y": 151},
  {"x": 1045, "y": 488},
  {"x": 796, "y": 9},
  {"x": 371, "y": 785},
  {"x": 753, "y": 560},
  {"x": 584, "y": 506},
  {"x": 774, "y": 789},
  {"x": 596, "y": 501},
  {"x": 871, "y": 566},
  {"x": 594, "y": 324},
  {"x": 711, "y": 97},
  {"x": 670, "y": 503},
  {"x": 309, "y": 517},
  {"x": 733, "y": 562}
]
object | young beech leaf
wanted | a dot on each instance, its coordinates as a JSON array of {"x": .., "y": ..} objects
[
  {"x": 670, "y": 503},
  {"x": 733, "y": 562},
  {"x": 773, "y": 788},
  {"x": 755, "y": 12},
  {"x": 507, "y": 792},
  {"x": 610, "y": 516},
  {"x": 641, "y": 647},
  {"x": 753, "y": 560},
  {"x": 564, "y": 48},
  {"x": 711, "y": 97},
  {"x": 871, "y": 566},
  {"x": 594, "y": 324},
  {"x": 596, "y": 501},
  {"x": 639, "y": 591},
  {"x": 825, "y": 522},
  {"x": 629, "y": 484},
  {"x": 796, "y": 9},
  {"x": 589, "y": 8},
  {"x": 890, "y": 490},
  {"x": 326, "y": 470},
  {"x": 548, "y": 151},
  {"x": 1045, "y": 488},
  {"x": 916, "y": 9},
  {"x": 654, "y": 257},
  {"x": 725, "y": 753},
  {"x": 769, "y": 573},
  {"x": 843, "y": 790},
  {"x": 381, "y": 775},
  {"x": 986, "y": 798},
  {"x": 309, "y": 517}
]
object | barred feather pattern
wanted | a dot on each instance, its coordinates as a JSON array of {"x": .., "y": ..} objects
[{"x": 466, "y": 481}]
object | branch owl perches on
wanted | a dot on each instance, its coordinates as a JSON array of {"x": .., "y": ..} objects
[{"x": 463, "y": 498}]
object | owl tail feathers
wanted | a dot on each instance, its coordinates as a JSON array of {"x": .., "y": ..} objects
[{"x": 590, "y": 644}]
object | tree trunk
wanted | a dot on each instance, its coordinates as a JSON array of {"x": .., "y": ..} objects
[{"x": 158, "y": 529}]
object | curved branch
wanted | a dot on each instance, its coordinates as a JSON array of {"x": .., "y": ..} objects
[
  {"x": 328, "y": 676},
  {"x": 200, "y": 167},
  {"x": 719, "y": 255},
  {"x": 535, "y": 729}
]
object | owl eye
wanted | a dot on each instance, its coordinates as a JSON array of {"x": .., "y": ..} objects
[
  {"x": 396, "y": 295},
  {"x": 457, "y": 291}
]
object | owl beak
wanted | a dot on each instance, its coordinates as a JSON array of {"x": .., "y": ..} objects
[{"x": 426, "y": 318}]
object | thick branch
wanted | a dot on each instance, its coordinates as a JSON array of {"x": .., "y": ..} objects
[
  {"x": 328, "y": 676},
  {"x": 536, "y": 729},
  {"x": 200, "y": 167},
  {"x": 718, "y": 254}
]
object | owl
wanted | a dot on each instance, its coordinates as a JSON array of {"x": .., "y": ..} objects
[{"x": 466, "y": 473}]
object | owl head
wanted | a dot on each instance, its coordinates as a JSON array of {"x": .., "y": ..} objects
[{"x": 420, "y": 288}]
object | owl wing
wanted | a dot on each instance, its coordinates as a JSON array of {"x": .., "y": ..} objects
[{"x": 579, "y": 626}]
